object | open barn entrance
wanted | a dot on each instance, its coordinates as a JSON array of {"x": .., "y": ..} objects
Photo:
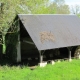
[
  {"x": 29, "y": 52},
  {"x": 64, "y": 53},
  {"x": 73, "y": 50},
  {"x": 51, "y": 54}
]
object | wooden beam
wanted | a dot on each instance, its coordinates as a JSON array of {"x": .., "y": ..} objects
[{"x": 28, "y": 42}]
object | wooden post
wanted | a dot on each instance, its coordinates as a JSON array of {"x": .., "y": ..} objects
[
  {"x": 18, "y": 45},
  {"x": 42, "y": 64},
  {"x": 41, "y": 57},
  {"x": 4, "y": 45},
  {"x": 79, "y": 55},
  {"x": 69, "y": 54},
  {"x": 18, "y": 52}
]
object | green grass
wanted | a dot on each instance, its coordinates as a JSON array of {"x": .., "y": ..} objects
[{"x": 60, "y": 71}]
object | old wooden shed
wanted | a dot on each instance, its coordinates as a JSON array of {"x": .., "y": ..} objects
[{"x": 38, "y": 33}]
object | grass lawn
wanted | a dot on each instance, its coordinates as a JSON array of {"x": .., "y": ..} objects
[{"x": 60, "y": 71}]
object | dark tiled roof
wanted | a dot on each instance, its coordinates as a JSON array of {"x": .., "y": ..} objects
[{"x": 52, "y": 31}]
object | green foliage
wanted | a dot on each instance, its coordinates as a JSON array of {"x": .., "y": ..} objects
[
  {"x": 78, "y": 15},
  {"x": 11, "y": 45},
  {"x": 59, "y": 2},
  {"x": 60, "y": 7},
  {"x": 12, "y": 38},
  {"x": 60, "y": 71}
]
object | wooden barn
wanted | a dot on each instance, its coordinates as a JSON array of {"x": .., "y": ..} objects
[{"x": 43, "y": 36}]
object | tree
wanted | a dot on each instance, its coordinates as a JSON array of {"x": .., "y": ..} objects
[
  {"x": 63, "y": 9},
  {"x": 75, "y": 10},
  {"x": 60, "y": 7},
  {"x": 59, "y": 2}
]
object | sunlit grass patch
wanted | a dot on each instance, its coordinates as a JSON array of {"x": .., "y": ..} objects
[{"x": 60, "y": 71}]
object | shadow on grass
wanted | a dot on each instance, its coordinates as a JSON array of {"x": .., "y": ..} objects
[{"x": 5, "y": 61}]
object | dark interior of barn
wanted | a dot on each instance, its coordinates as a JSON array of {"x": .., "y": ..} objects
[{"x": 30, "y": 53}]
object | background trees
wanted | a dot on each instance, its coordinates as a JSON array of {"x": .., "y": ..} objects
[
  {"x": 75, "y": 10},
  {"x": 59, "y": 7}
]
